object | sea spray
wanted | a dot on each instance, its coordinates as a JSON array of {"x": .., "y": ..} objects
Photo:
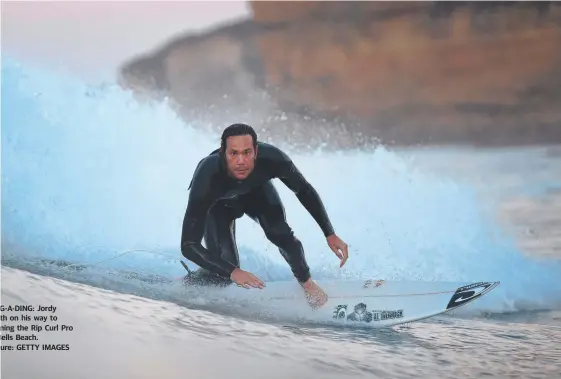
[{"x": 89, "y": 174}]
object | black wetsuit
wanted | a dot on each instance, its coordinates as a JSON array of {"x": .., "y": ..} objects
[{"x": 217, "y": 199}]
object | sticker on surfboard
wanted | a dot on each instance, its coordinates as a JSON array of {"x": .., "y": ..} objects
[
  {"x": 373, "y": 283},
  {"x": 468, "y": 293},
  {"x": 361, "y": 313}
]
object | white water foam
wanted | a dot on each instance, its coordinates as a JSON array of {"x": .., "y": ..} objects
[{"x": 88, "y": 172}]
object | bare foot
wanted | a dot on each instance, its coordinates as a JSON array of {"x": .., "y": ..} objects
[{"x": 314, "y": 294}]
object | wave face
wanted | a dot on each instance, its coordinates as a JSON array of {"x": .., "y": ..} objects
[{"x": 88, "y": 172}]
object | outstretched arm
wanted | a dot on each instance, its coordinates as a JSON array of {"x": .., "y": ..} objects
[
  {"x": 308, "y": 196},
  {"x": 289, "y": 174},
  {"x": 194, "y": 224}
]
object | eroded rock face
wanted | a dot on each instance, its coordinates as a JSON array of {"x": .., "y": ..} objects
[
  {"x": 405, "y": 72},
  {"x": 212, "y": 79}
]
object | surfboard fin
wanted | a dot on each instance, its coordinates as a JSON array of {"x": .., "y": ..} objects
[{"x": 186, "y": 267}]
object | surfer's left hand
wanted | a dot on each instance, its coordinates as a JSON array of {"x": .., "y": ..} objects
[{"x": 339, "y": 247}]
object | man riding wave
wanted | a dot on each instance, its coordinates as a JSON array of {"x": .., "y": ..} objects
[{"x": 234, "y": 180}]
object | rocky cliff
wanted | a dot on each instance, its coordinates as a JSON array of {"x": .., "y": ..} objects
[{"x": 346, "y": 73}]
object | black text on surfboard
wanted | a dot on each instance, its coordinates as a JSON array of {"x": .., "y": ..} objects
[{"x": 361, "y": 314}]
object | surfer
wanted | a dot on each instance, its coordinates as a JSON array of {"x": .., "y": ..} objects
[{"x": 235, "y": 180}]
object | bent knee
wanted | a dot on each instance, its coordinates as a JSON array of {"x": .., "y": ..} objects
[{"x": 280, "y": 234}]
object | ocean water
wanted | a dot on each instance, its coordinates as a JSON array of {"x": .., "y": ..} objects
[{"x": 92, "y": 177}]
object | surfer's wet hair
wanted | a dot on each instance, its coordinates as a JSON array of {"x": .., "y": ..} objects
[{"x": 237, "y": 130}]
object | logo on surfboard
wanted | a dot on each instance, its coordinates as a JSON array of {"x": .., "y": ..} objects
[
  {"x": 376, "y": 283},
  {"x": 361, "y": 314},
  {"x": 468, "y": 293}
]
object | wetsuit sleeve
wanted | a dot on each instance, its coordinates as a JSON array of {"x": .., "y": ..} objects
[
  {"x": 200, "y": 200},
  {"x": 289, "y": 174}
]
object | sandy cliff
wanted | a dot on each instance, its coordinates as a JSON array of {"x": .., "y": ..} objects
[{"x": 405, "y": 72}]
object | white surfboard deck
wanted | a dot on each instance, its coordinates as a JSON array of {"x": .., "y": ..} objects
[{"x": 370, "y": 303}]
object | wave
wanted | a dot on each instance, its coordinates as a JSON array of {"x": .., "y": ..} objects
[{"x": 89, "y": 172}]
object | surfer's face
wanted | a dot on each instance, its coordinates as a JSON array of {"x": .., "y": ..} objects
[{"x": 240, "y": 156}]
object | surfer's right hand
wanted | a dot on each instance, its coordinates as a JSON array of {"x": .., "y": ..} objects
[{"x": 246, "y": 279}]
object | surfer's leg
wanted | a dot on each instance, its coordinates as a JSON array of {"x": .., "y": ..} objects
[
  {"x": 264, "y": 206},
  {"x": 220, "y": 233},
  {"x": 219, "y": 238}
]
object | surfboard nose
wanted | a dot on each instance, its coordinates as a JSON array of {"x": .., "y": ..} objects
[{"x": 469, "y": 293}]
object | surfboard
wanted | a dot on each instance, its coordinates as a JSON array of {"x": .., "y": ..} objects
[{"x": 369, "y": 303}]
